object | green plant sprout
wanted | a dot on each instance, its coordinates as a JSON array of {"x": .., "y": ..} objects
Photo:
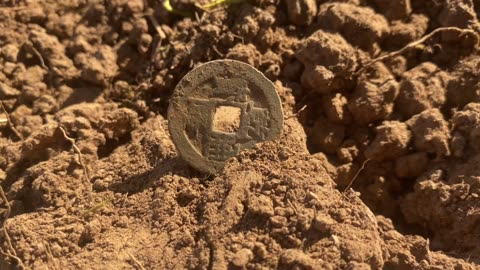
[
  {"x": 217, "y": 3},
  {"x": 97, "y": 207},
  {"x": 169, "y": 8},
  {"x": 206, "y": 7}
]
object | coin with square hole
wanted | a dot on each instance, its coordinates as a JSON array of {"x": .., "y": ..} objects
[{"x": 220, "y": 108}]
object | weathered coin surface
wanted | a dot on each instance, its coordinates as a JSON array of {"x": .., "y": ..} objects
[{"x": 220, "y": 108}]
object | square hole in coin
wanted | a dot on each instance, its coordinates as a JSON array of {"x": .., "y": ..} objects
[{"x": 227, "y": 119}]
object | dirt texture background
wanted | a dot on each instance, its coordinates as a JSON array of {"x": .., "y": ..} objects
[{"x": 376, "y": 168}]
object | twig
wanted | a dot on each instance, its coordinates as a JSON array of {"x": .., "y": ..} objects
[
  {"x": 293, "y": 207},
  {"x": 239, "y": 37},
  {"x": 356, "y": 175},
  {"x": 16, "y": 258},
  {"x": 414, "y": 44},
  {"x": 136, "y": 261},
  {"x": 159, "y": 38},
  {"x": 117, "y": 46},
  {"x": 79, "y": 153},
  {"x": 11, "y": 251},
  {"x": 10, "y": 124},
  {"x": 157, "y": 27},
  {"x": 298, "y": 112},
  {"x": 40, "y": 57},
  {"x": 4, "y": 198},
  {"x": 48, "y": 251},
  {"x": 4, "y": 225}
]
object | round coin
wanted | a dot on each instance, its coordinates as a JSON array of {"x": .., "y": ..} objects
[{"x": 220, "y": 108}]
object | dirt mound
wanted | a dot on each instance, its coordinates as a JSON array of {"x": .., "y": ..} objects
[{"x": 376, "y": 166}]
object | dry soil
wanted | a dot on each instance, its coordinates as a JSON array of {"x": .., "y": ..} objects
[{"x": 378, "y": 170}]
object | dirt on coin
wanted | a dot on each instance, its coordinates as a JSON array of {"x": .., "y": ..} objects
[{"x": 375, "y": 169}]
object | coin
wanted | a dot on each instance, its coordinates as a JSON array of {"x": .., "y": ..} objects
[{"x": 220, "y": 108}]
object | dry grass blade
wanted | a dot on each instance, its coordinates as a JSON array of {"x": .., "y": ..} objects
[
  {"x": 39, "y": 56},
  {"x": 356, "y": 175},
  {"x": 139, "y": 265},
  {"x": 3, "y": 120},
  {"x": 160, "y": 35},
  {"x": 79, "y": 153},
  {"x": 157, "y": 26},
  {"x": 417, "y": 43},
  {"x": 297, "y": 113},
  {"x": 97, "y": 207},
  {"x": 51, "y": 259}
]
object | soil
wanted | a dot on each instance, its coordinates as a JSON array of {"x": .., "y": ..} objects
[{"x": 373, "y": 170}]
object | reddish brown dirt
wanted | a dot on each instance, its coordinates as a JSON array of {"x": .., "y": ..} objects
[{"x": 404, "y": 135}]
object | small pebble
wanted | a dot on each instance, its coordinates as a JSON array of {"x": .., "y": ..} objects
[{"x": 242, "y": 257}]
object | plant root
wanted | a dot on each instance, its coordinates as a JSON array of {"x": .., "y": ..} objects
[
  {"x": 418, "y": 43},
  {"x": 356, "y": 175},
  {"x": 9, "y": 122},
  {"x": 11, "y": 253},
  {"x": 78, "y": 152}
]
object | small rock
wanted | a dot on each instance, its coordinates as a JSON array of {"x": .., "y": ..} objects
[
  {"x": 394, "y": 10},
  {"x": 335, "y": 108},
  {"x": 329, "y": 61},
  {"x": 135, "y": 6},
  {"x": 431, "y": 132},
  {"x": 144, "y": 43},
  {"x": 391, "y": 141},
  {"x": 53, "y": 50},
  {"x": 283, "y": 154},
  {"x": 296, "y": 259},
  {"x": 322, "y": 223},
  {"x": 3, "y": 175},
  {"x": 261, "y": 205},
  {"x": 45, "y": 104},
  {"x": 423, "y": 87},
  {"x": 348, "y": 151},
  {"x": 242, "y": 257},
  {"x": 7, "y": 91},
  {"x": 301, "y": 12},
  {"x": 374, "y": 96},
  {"x": 327, "y": 136},
  {"x": 360, "y": 25},
  {"x": 357, "y": 266},
  {"x": 91, "y": 231},
  {"x": 278, "y": 221},
  {"x": 260, "y": 250},
  {"x": 284, "y": 211},
  {"x": 99, "y": 67},
  {"x": 10, "y": 52}
]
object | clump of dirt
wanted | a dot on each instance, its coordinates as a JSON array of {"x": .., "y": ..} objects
[{"x": 376, "y": 167}]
